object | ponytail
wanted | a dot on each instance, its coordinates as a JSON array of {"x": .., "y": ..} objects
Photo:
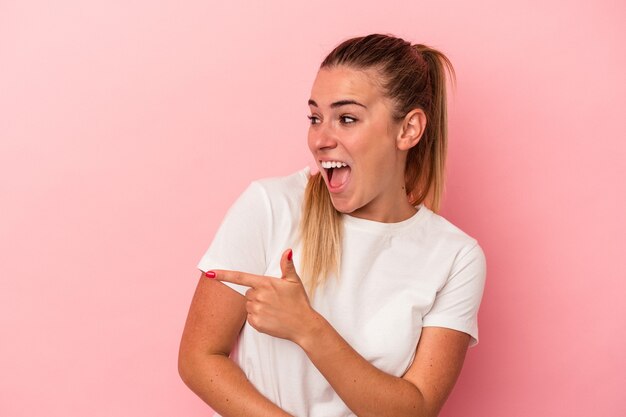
[
  {"x": 426, "y": 161},
  {"x": 321, "y": 232}
]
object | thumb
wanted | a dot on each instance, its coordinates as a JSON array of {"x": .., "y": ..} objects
[{"x": 287, "y": 266}]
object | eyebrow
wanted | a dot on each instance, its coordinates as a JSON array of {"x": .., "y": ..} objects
[{"x": 338, "y": 103}]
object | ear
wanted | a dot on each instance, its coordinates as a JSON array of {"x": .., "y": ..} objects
[{"x": 412, "y": 129}]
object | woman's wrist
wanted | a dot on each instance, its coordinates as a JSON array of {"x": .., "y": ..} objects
[{"x": 312, "y": 328}]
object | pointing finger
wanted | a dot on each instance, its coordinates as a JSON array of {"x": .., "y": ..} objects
[{"x": 236, "y": 277}]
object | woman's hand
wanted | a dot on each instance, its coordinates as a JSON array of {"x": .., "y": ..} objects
[{"x": 278, "y": 307}]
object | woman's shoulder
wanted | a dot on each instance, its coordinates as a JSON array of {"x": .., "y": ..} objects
[
  {"x": 289, "y": 182},
  {"x": 286, "y": 188},
  {"x": 444, "y": 229}
]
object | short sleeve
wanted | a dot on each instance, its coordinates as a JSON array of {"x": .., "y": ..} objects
[
  {"x": 240, "y": 243},
  {"x": 456, "y": 304}
]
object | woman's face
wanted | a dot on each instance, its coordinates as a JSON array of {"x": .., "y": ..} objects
[{"x": 351, "y": 123}]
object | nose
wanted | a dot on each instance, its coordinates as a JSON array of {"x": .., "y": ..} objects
[{"x": 322, "y": 137}]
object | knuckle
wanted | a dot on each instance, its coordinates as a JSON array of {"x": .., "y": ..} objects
[
  {"x": 274, "y": 283},
  {"x": 253, "y": 320},
  {"x": 252, "y": 307}
]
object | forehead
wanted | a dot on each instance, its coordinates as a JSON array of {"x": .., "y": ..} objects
[{"x": 342, "y": 82}]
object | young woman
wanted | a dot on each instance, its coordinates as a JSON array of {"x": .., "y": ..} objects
[{"x": 343, "y": 292}]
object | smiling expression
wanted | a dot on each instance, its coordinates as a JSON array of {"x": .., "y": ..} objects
[{"x": 351, "y": 122}]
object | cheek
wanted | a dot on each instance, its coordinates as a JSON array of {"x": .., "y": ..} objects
[
  {"x": 377, "y": 162},
  {"x": 375, "y": 155}
]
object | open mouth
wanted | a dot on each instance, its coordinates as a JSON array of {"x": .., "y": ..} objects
[{"x": 337, "y": 175}]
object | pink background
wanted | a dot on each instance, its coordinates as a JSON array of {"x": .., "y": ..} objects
[{"x": 128, "y": 128}]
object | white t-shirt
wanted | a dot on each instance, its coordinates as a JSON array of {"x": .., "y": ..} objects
[{"x": 395, "y": 279}]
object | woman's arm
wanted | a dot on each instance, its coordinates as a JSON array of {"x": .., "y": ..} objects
[
  {"x": 368, "y": 391},
  {"x": 280, "y": 308},
  {"x": 215, "y": 318}
]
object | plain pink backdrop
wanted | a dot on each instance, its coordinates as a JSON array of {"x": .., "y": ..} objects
[{"x": 128, "y": 128}]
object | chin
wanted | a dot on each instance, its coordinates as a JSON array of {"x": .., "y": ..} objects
[{"x": 343, "y": 207}]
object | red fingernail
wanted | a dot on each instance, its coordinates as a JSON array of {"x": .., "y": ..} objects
[
  {"x": 290, "y": 254},
  {"x": 210, "y": 274}
]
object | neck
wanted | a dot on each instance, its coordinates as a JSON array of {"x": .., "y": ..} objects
[{"x": 396, "y": 214}]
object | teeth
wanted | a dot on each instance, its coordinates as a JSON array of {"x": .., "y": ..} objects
[{"x": 333, "y": 164}]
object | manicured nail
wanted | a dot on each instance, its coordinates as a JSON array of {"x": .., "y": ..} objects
[
  {"x": 290, "y": 254},
  {"x": 210, "y": 274}
]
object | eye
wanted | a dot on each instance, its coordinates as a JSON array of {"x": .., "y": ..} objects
[
  {"x": 348, "y": 120},
  {"x": 313, "y": 119}
]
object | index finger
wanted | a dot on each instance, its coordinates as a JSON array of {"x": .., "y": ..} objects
[{"x": 236, "y": 277}]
